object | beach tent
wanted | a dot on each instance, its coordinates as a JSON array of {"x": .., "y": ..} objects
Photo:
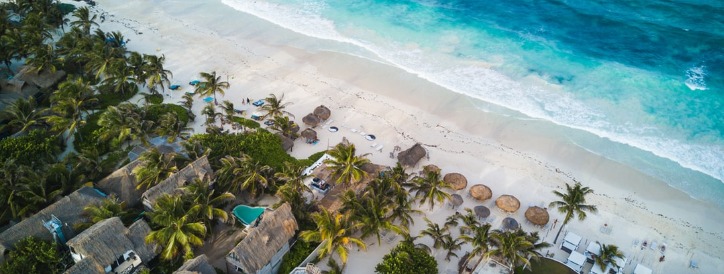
[
  {"x": 481, "y": 192},
  {"x": 507, "y": 203},
  {"x": 456, "y": 180},
  {"x": 593, "y": 249},
  {"x": 537, "y": 215},
  {"x": 570, "y": 242},
  {"x": 640, "y": 269},
  {"x": 576, "y": 261}
]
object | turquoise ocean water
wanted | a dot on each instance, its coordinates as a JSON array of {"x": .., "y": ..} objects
[{"x": 645, "y": 76}]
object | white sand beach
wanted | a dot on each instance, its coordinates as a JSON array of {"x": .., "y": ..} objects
[{"x": 526, "y": 158}]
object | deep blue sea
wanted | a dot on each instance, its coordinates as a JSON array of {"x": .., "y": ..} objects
[{"x": 646, "y": 74}]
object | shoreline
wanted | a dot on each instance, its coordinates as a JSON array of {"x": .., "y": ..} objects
[{"x": 507, "y": 150}]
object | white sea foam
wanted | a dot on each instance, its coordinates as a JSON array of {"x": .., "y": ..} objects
[
  {"x": 489, "y": 85},
  {"x": 695, "y": 78}
]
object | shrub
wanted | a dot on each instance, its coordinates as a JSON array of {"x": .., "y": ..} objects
[
  {"x": 156, "y": 111},
  {"x": 261, "y": 146},
  {"x": 247, "y": 123},
  {"x": 107, "y": 99},
  {"x": 296, "y": 255},
  {"x": 85, "y": 138},
  {"x": 31, "y": 255},
  {"x": 154, "y": 99},
  {"x": 36, "y": 147},
  {"x": 405, "y": 258}
]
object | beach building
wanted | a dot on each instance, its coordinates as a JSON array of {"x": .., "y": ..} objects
[
  {"x": 54, "y": 222},
  {"x": 122, "y": 183},
  {"x": 27, "y": 83},
  {"x": 109, "y": 247},
  {"x": 196, "y": 169},
  {"x": 198, "y": 265},
  {"x": 261, "y": 251}
]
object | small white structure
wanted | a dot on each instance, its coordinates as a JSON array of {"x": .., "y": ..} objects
[
  {"x": 575, "y": 261},
  {"x": 621, "y": 262},
  {"x": 593, "y": 249},
  {"x": 570, "y": 242},
  {"x": 640, "y": 269}
]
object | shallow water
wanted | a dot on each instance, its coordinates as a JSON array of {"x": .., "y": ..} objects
[{"x": 646, "y": 75}]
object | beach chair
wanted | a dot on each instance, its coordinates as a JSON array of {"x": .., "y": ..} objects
[
  {"x": 693, "y": 264},
  {"x": 653, "y": 245},
  {"x": 373, "y": 145},
  {"x": 379, "y": 148}
]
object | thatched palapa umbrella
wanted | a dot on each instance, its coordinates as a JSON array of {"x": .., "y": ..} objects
[
  {"x": 311, "y": 120},
  {"x": 294, "y": 127},
  {"x": 287, "y": 143},
  {"x": 537, "y": 215},
  {"x": 411, "y": 156},
  {"x": 510, "y": 223},
  {"x": 456, "y": 200},
  {"x": 456, "y": 180},
  {"x": 481, "y": 192},
  {"x": 322, "y": 112},
  {"x": 431, "y": 168},
  {"x": 508, "y": 203},
  {"x": 309, "y": 134},
  {"x": 481, "y": 211}
]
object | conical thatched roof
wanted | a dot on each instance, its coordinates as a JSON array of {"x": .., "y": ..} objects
[
  {"x": 287, "y": 143},
  {"x": 322, "y": 112},
  {"x": 537, "y": 215},
  {"x": 196, "y": 169},
  {"x": 265, "y": 240},
  {"x": 456, "y": 180},
  {"x": 431, "y": 167},
  {"x": 481, "y": 192},
  {"x": 411, "y": 156},
  {"x": 44, "y": 79},
  {"x": 481, "y": 211},
  {"x": 311, "y": 120},
  {"x": 456, "y": 200},
  {"x": 309, "y": 133},
  {"x": 508, "y": 203},
  {"x": 198, "y": 265}
]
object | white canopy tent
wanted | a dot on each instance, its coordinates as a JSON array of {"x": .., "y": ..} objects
[
  {"x": 621, "y": 262},
  {"x": 594, "y": 248},
  {"x": 640, "y": 269},
  {"x": 570, "y": 242},
  {"x": 576, "y": 261}
]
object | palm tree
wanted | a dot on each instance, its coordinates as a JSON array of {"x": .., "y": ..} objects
[
  {"x": 170, "y": 126},
  {"x": 335, "y": 230},
  {"x": 154, "y": 73},
  {"x": 228, "y": 111},
  {"x": 285, "y": 127},
  {"x": 244, "y": 174},
  {"x": 69, "y": 104},
  {"x": 479, "y": 239},
  {"x": 120, "y": 79},
  {"x": 211, "y": 114},
  {"x": 108, "y": 208},
  {"x": 572, "y": 203},
  {"x": 121, "y": 123},
  {"x": 274, "y": 106},
  {"x": 373, "y": 212},
  {"x": 430, "y": 189},
  {"x": 37, "y": 192},
  {"x": 22, "y": 115},
  {"x": 194, "y": 150},
  {"x": 84, "y": 20},
  {"x": 293, "y": 176},
  {"x": 435, "y": 232},
  {"x": 450, "y": 245},
  {"x": 609, "y": 254},
  {"x": 399, "y": 175},
  {"x": 345, "y": 165},
  {"x": 510, "y": 246},
  {"x": 178, "y": 231},
  {"x": 211, "y": 84},
  {"x": 206, "y": 203},
  {"x": 154, "y": 168},
  {"x": 44, "y": 58}
]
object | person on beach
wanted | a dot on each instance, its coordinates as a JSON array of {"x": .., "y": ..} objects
[
  {"x": 554, "y": 223},
  {"x": 247, "y": 100}
]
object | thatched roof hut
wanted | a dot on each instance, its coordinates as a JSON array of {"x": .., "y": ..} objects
[
  {"x": 287, "y": 143},
  {"x": 311, "y": 120},
  {"x": 510, "y": 224},
  {"x": 68, "y": 210},
  {"x": 508, "y": 203},
  {"x": 322, "y": 112},
  {"x": 122, "y": 183},
  {"x": 264, "y": 241},
  {"x": 196, "y": 169},
  {"x": 431, "y": 167},
  {"x": 309, "y": 134},
  {"x": 456, "y": 200},
  {"x": 198, "y": 265},
  {"x": 537, "y": 215},
  {"x": 44, "y": 79},
  {"x": 412, "y": 155},
  {"x": 104, "y": 242},
  {"x": 481, "y": 192},
  {"x": 456, "y": 180}
]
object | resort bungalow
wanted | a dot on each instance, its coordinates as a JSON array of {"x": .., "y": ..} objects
[
  {"x": 109, "y": 247},
  {"x": 54, "y": 222},
  {"x": 198, "y": 265},
  {"x": 197, "y": 169},
  {"x": 122, "y": 183},
  {"x": 261, "y": 251}
]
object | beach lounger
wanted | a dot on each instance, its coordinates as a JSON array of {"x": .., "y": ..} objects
[
  {"x": 653, "y": 245},
  {"x": 373, "y": 145},
  {"x": 194, "y": 82},
  {"x": 379, "y": 148},
  {"x": 209, "y": 99},
  {"x": 174, "y": 87},
  {"x": 354, "y": 130}
]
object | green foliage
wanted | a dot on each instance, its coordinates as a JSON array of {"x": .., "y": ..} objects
[
  {"x": 296, "y": 255},
  {"x": 405, "y": 258},
  {"x": 262, "y": 146},
  {"x": 85, "y": 137},
  {"x": 247, "y": 123},
  {"x": 156, "y": 111},
  {"x": 107, "y": 99},
  {"x": 31, "y": 255},
  {"x": 38, "y": 146},
  {"x": 155, "y": 99},
  {"x": 66, "y": 8},
  {"x": 545, "y": 266},
  {"x": 312, "y": 158}
]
